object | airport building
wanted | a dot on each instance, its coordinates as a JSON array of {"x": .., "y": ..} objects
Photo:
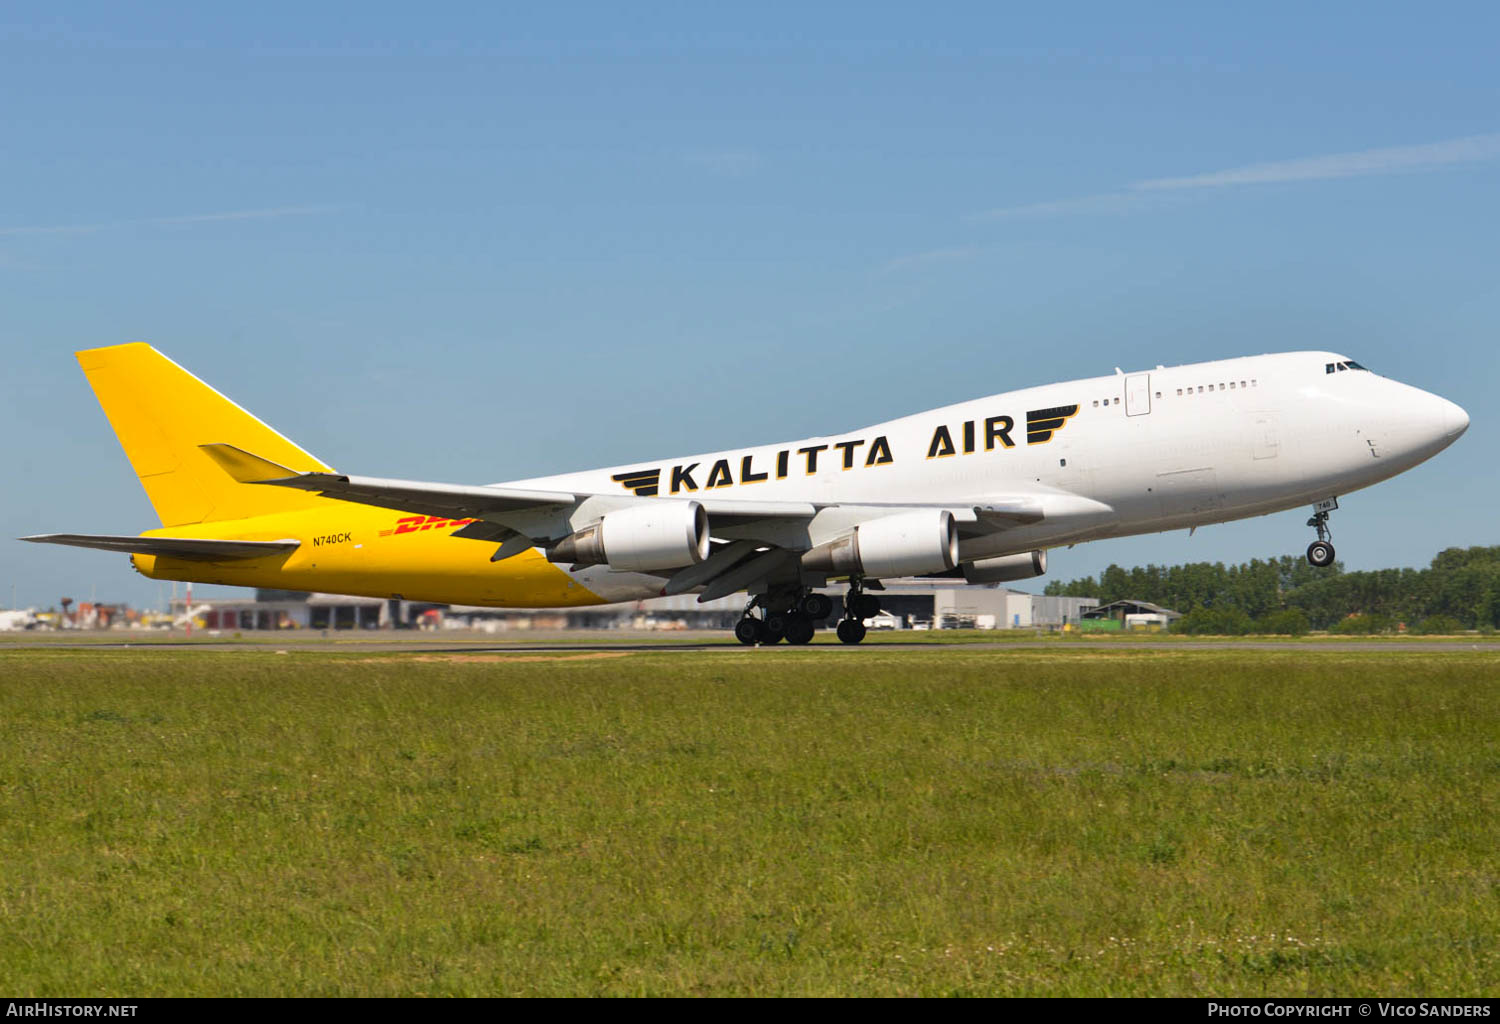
[
  {"x": 290, "y": 609},
  {"x": 1129, "y": 615},
  {"x": 910, "y": 605}
]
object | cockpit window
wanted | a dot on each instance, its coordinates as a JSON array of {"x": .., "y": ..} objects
[{"x": 1347, "y": 364}]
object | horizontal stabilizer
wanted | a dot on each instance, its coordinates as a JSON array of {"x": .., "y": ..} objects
[{"x": 193, "y": 548}]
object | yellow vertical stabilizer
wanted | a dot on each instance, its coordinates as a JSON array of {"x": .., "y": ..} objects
[{"x": 162, "y": 414}]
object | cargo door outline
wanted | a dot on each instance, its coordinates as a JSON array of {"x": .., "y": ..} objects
[{"x": 1265, "y": 442}]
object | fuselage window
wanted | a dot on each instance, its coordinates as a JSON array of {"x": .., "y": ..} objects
[
  {"x": 1342, "y": 366},
  {"x": 1231, "y": 385},
  {"x": 1200, "y": 389},
  {"x": 1328, "y": 368}
]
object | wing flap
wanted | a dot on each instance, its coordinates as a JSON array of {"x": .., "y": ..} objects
[
  {"x": 192, "y": 548},
  {"x": 721, "y": 561},
  {"x": 746, "y": 572}
]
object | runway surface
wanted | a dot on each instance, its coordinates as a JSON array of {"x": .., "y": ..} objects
[{"x": 643, "y": 642}]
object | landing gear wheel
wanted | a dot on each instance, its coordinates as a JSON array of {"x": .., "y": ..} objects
[
  {"x": 1320, "y": 551},
  {"x": 817, "y": 607},
  {"x": 865, "y": 606},
  {"x": 747, "y": 631},
  {"x": 851, "y": 631},
  {"x": 1320, "y": 554},
  {"x": 799, "y": 629},
  {"x": 773, "y": 629}
]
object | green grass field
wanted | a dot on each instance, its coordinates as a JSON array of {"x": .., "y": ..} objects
[{"x": 1120, "y": 820}]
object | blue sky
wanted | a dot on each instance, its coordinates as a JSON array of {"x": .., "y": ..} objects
[{"x": 480, "y": 242}]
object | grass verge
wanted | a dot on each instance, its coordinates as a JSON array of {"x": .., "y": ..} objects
[{"x": 1121, "y": 820}]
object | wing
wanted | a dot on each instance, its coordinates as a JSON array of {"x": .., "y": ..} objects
[
  {"x": 450, "y": 500},
  {"x": 747, "y": 563},
  {"x": 754, "y": 539},
  {"x": 504, "y": 513},
  {"x": 191, "y": 548}
]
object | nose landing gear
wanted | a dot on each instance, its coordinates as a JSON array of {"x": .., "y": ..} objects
[{"x": 1320, "y": 552}]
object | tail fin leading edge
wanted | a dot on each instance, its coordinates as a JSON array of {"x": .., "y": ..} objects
[{"x": 162, "y": 415}]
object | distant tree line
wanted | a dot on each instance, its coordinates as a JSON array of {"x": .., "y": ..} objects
[{"x": 1459, "y": 590}]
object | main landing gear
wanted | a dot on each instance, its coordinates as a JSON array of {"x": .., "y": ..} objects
[
  {"x": 790, "y": 616},
  {"x": 1320, "y": 551},
  {"x": 858, "y": 606},
  {"x": 794, "y": 616}
]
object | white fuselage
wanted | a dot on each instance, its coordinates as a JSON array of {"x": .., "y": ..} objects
[{"x": 1157, "y": 450}]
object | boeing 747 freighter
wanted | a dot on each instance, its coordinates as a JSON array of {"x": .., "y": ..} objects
[{"x": 978, "y": 491}]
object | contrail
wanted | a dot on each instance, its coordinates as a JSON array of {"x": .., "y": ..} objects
[
  {"x": 1429, "y": 156},
  {"x": 1389, "y": 160}
]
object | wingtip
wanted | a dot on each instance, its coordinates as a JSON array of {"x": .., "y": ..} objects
[{"x": 245, "y": 467}]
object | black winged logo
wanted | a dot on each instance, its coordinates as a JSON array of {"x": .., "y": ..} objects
[
  {"x": 644, "y": 482},
  {"x": 1040, "y": 423}
]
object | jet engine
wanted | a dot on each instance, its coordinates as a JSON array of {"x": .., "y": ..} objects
[
  {"x": 640, "y": 538},
  {"x": 1006, "y": 567},
  {"x": 905, "y": 544}
]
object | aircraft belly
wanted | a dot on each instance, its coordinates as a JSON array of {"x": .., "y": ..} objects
[{"x": 613, "y": 586}]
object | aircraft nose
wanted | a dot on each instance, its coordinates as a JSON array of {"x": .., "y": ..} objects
[
  {"x": 1420, "y": 423},
  {"x": 1455, "y": 420}
]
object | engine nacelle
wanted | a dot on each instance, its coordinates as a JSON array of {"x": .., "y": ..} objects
[
  {"x": 1006, "y": 567},
  {"x": 640, "y": 538},
  {"x": 905, "y": 544}
]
